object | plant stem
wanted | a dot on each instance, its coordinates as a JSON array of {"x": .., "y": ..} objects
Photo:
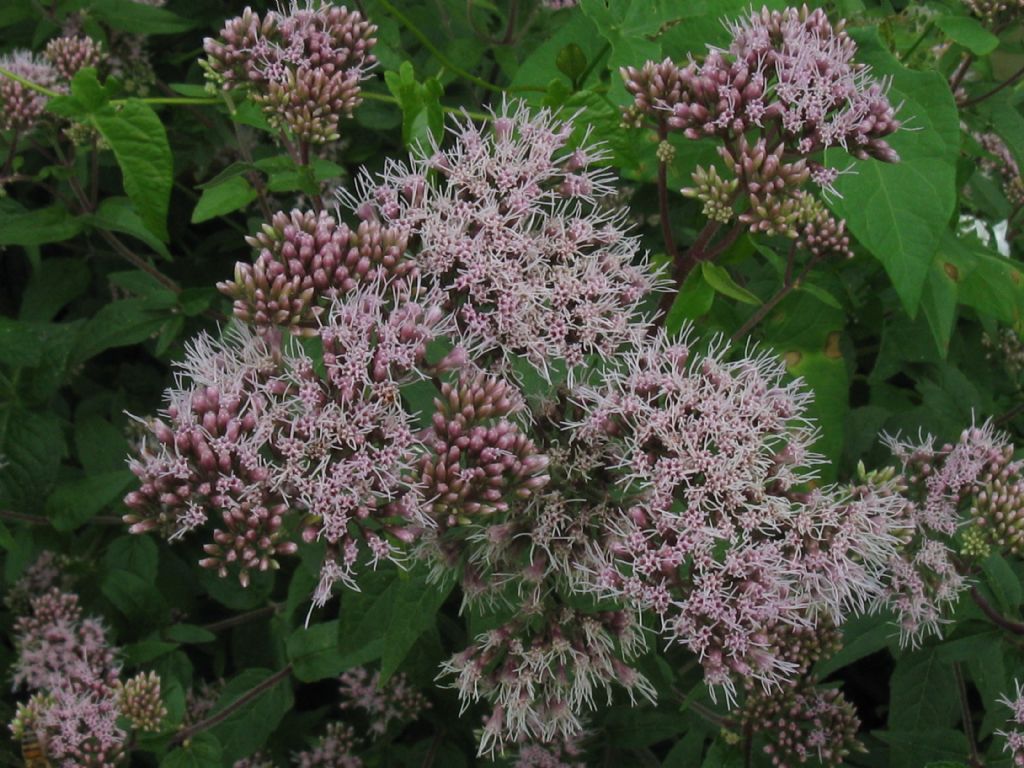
[
  {"x": 787, "y": 287},
  {"x": 28, "y": 83},
  {"x": 960, "y": 72},
  {"x": 253, "y": 693},
  {"x": 1005, "y": 84},
  {"x": 21, "y": 517},
  {"x": 910, "y": 51},
  {"x": 1015, "y": 627},
  {"x": 966, "y": 716},
  {"x": 243, "y": 618},
  {"x": 666, "y": 223}
]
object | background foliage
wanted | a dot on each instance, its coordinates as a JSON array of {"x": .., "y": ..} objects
[{"x": 109, "y": 254}]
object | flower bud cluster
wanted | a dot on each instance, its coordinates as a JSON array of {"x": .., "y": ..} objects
[
  {"x": 302, "y": 65},
  {"x": 791, "y": 70},
  {"x": 304, "y": 261},
  {"x": 69, "y": 54},
  {"x": 995, "y": 12},
  {"x": 1007, "y": 348},
  {"x": 139, "y": 701}
]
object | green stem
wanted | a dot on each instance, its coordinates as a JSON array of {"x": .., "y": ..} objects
[
  {"x": 253, "y": 693},
  {"x": 28, "y": 83}
]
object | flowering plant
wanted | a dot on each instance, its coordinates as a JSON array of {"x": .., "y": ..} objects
[{"x": 543, "y": 384}]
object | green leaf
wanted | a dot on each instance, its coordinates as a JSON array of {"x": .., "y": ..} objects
[
  {"x": 939, "y": 301},
  {"x": 694, "y": 299},
  {"x": 246, "y": 729},
  {"x": 572, "y": 62},
  {"x": 202, "y": 751},
  {"x": 118, "y": 214},
  {"x": 314, "y": 652},
  {"x": 1003, "y": 582},
  {"x": 422, "y": 116},
  {"x": 718, "y": 277},
  {"x": 189, "y": 633},
  {"x": 137, "y": 137},
  {"x": 862, "y": 636},
  {"x": 140, "y": 18},
  {"x": 32, "y": 445},
  {"x": 99, "y": 445},
  {"x": 723, "y": 756},
  {"x": 899, "y": 210},
  {"x": 121, "y": 324},
  {"x": 138, "y": 599},
  {"x": 911, "y": 749},
  {"x": 43, "y": 225},
  {"x": 232, "y": 194},
  {"x": 968, "y": 32},
  {"x": 825, "y": 373},
  {"x": 134, "y": 553},
  {"x": 820, "y": 294},
  {"x": 922, "y": 692},
  {"x": 387, "y": 616},
  {"x": 53, "y": 284}
]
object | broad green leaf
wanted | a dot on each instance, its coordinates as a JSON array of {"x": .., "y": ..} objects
[
  {"x": 314, "y": 652},
  {"x": 99, "y": 445},
  {"x": 938, "y": 301},
  {"x": 820, "y": 294},
  {"x": 32, "y": 445},
  {"x": 120, "y": 324},
  {"x": 137, "y": 137},
  {"x": 189, "y": 633},
  {"x": 135, "y": 597},
  {"x": 1003, "y": 582},
  {"x": 202, "y": 751},
  {"x": 43, "y": 225},
  {"x": 922, "y": 692},
  {"x": 723, "y": 756},
  {"x": 899, "y": 210},
  {"x": 53, "y": 284},
  {"x": 862, "y": 636},
  {"x": 230, "y": 195},
  {"x": 968, "y": 32},
  {"x": 134, "y": 553},
  {"x": 118, "y": 214},
  {"x": 246, "y": 729},
  {"x": 911, "y": 749},
  {"x": 694, "y": 299},
  {"x": 229, "y": 593},
  {"x": 718, "y": 277},
  {"x": 825, "y": 373},
  {"x": 35, "y": 356},
  {"x": 572, "y": 62},
  {"x": 140, "y": 18}
]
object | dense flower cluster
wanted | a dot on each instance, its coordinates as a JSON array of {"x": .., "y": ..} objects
[
  {"x": 396, "y": 701},
  {"x": 1015, "y": 736},
  {"x": 302, "y": 65},
  {"x": 1007, "y": 348},
  {"x": 939, "y": 485},
  {"x": 715, "y": 536},
  {"x": 68, "y": 663},
  {"x": 789, "y": 78},
  {"x": 20, "y": 106},
  {"x": 539, "y": 673},
  {"x": 253, "y": 432},
  {"x": 509, "y": 227},
  {"x": 1001, "y": 164}
]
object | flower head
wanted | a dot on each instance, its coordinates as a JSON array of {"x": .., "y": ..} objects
[{"x": 20, "y": 106}]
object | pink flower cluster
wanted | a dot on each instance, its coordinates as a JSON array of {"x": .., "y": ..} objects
[
  {"x": 714, "y": 534},
  {"x": 69, "y": 664},
  {"x": 510, "y": 228},
  {"x": 394, "y": 702},
  {"x": 1015, "y": 736},
  {"x": 302, "y": 65},
  {"x": 940, "y": 484},
  {"x": 21, "y": 107},
  {"x": 790, "y": 72}
]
